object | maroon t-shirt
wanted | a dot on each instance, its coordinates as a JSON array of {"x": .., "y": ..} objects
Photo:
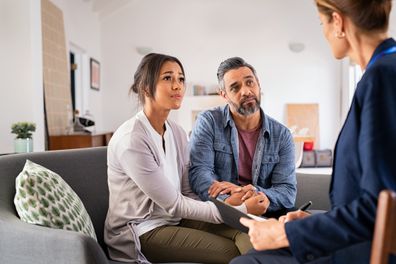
[{"x": 247, "y": 147}]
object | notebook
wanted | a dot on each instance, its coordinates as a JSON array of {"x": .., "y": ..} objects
[{"x": 232, "y": 215}]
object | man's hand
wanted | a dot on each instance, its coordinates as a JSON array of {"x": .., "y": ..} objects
[
  {"x": 249, "y": 191},
  {"x": 257, "y": 204},
  {"x": 223, "y": 187},
  {"x": 293, "y": 216},
  {"x": 269, "y": 234}
]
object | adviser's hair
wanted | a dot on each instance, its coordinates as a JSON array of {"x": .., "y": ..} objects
[
  {"x": 147, "y": 73},
  {"x": 367, "y": 15}
]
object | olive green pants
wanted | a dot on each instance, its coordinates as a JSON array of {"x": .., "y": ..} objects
[{"x": 194, "y": 241}]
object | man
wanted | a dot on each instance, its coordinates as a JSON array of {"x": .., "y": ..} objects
[{"x": 237, "y": 151}]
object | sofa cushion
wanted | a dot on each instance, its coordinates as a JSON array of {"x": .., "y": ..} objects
[{"x": 44, "y": 198}]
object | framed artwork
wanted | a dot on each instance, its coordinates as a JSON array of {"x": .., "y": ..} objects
[{"x": 95, "y": 74}]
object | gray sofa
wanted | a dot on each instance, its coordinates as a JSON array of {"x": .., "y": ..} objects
[{"x": 85, "y": 171}]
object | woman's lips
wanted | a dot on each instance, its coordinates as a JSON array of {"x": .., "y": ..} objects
[{"x": 177, "y": 96}]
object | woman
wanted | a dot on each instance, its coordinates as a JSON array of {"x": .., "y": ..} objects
[
  {"x": 363, "y": 161},
  {"x": 147, "y": 175}
]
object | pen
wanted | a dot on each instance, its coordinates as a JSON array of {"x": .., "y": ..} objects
[{"x": 305, "y": 206}]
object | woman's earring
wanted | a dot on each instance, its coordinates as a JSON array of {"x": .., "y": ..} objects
[{"x": 340, "y": 34}]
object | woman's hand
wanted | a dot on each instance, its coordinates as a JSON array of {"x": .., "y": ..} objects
[
  {"x": 269, "y": 234},
  {"x": 257, "y": 204},
  {"x": 293, "y": 216}
]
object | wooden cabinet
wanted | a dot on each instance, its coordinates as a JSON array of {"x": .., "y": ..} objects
[{"x": 79, "y": 140}]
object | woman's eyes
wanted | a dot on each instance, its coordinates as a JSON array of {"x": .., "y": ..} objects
[
  {"x": 169, "y": 78},
  {"x": 249, "y": 82}
]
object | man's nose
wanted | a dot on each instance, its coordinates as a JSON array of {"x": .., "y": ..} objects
[{"x": 246, "y": 91}]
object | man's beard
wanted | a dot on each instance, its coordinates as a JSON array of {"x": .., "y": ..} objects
[{"x": 246, "y": 109}]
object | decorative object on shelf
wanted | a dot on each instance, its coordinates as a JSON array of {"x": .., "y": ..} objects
[
  {"x": 88, "y": 121},
  {"x": 23, "y": 141},
  {"x": 77, "y": 126},
  {"x": 199, "y": 89},
  {"x": 95, "y": 74},
  {"x": 317, "y": 158},
  {"x": 213, "y": 89}
]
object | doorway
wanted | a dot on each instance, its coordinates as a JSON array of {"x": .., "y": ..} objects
[{"x": 77, "y": 81}]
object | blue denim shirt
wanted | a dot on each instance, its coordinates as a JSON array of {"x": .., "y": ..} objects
[{"x": 214, "y": 156}]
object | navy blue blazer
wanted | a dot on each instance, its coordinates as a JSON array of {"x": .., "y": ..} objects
[{"x": 364, "y": 164}]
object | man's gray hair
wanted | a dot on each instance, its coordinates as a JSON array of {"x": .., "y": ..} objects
[{"x": 231, "y": 64}]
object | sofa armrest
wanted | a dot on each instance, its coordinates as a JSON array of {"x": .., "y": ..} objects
[
  {"x": 21, "y": 242},
  {"x": 313, "y": 187}
]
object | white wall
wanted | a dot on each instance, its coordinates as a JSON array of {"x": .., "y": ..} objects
[
  {"x": 21, "y": 81},
  {"x": 82, "y": 29},
  {"x": 203, "y": 33}
]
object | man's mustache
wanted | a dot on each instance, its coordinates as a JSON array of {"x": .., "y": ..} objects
[{"x": 248, "y": 98}]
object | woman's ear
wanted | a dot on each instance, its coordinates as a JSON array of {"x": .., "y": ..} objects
[
  {"x": 338, "y": 25},
  {"x": 146, "y": 92}
]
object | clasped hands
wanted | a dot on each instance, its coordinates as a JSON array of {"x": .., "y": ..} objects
[{"x": 256, "y": 202}]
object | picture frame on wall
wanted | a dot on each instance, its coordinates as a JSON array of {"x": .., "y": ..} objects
[{"x": 95, "y": 74}]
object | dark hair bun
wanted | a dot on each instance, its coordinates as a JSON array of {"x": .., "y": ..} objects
[{"x": 134, "y": 88}]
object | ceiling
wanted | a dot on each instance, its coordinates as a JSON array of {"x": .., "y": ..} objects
[{"x": 106, "y": 7}]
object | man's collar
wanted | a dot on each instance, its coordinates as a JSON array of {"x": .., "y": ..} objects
[{"x": 228, "y": 120}]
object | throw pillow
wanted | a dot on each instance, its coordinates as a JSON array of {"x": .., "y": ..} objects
[{"x": 44, "y": 198}]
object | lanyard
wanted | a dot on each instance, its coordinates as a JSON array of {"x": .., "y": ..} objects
[{"x": 381, "y": 54}]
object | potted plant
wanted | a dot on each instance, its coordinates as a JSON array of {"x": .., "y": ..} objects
[{"x": 23, "y": 141}]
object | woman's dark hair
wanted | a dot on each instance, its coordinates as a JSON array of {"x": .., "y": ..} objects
[
  {"x": 147, "y": 73},
  {"x": 367, "y": 15},
  {"x": 232, "y": 64}
]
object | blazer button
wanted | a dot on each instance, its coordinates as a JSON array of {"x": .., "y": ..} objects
[{"x": 310, "y": 257}]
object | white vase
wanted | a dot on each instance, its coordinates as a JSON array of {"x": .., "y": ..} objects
[{"x": 22, "y": 145}]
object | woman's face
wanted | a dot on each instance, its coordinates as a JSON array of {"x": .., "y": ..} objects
[
  {"x": 170, "y": 87},
  {"x": 332, "y": 31}
]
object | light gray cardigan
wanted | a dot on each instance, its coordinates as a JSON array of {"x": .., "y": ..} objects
[{"x": 138, "y": 188}]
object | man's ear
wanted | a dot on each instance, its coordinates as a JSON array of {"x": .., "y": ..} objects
[{"x": 222, "y": 93}]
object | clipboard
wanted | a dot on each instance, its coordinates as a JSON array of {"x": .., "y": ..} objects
[{"x": 232, "y": 215}]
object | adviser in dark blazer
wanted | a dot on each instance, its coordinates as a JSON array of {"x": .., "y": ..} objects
[{"x": 364, "y": 161}]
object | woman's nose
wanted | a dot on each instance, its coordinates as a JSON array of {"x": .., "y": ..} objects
[{"x": 177, "y": 85}]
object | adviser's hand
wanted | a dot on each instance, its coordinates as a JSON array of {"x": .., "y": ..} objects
[
  {"x": 266, "y": 235},
  {"x": 293, "y": 216},
  {"x": 257, "y": 204}
]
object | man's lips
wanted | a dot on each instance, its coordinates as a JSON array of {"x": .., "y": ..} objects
[{"x": 249, "y": 100}]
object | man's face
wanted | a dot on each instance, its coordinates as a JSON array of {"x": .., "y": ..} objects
[{"x": 242, "y": 91}]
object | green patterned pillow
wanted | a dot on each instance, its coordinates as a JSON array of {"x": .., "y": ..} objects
[{"x": 44, "y": 198}]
